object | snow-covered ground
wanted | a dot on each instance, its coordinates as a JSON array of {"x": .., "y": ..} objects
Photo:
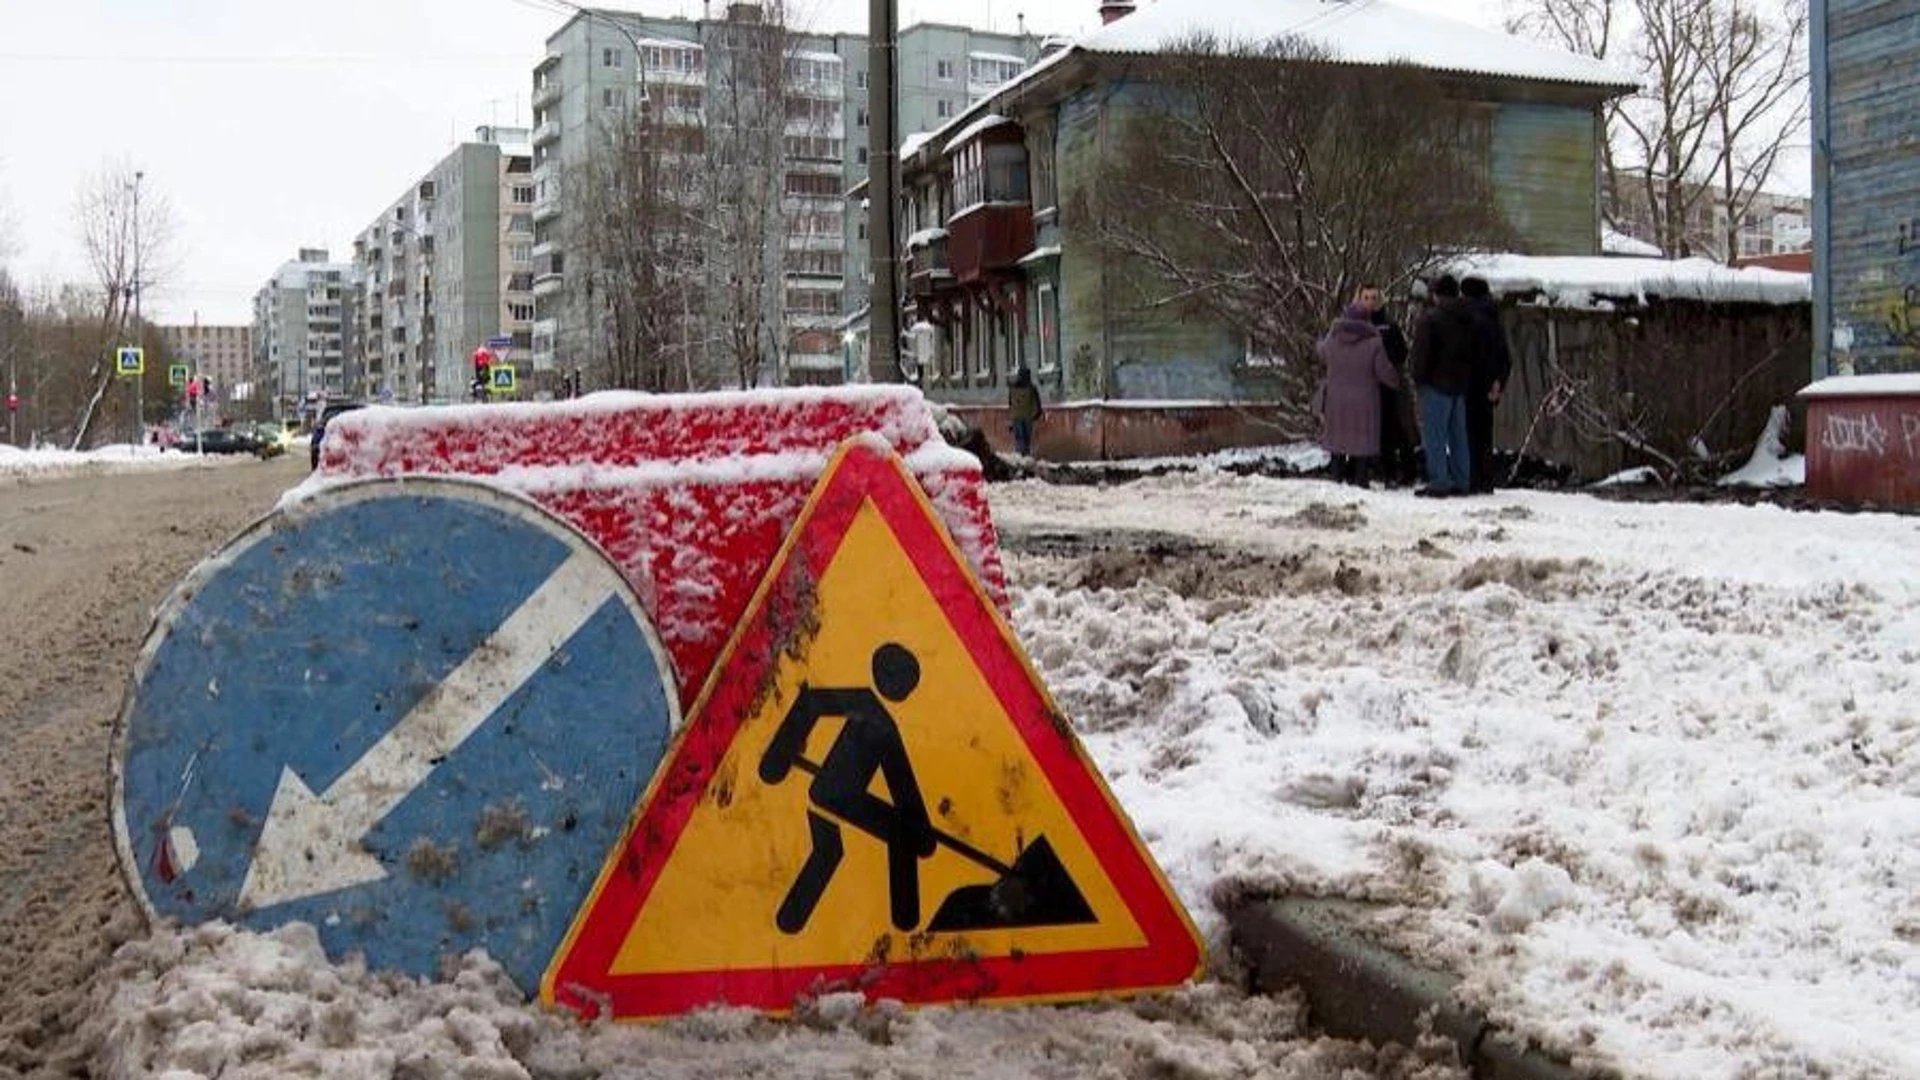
[
  {"x": 1646, "y": 775},
  {"x": 44, "y": 462}
]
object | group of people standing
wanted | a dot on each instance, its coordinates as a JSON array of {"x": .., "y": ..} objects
[{"x": 1458, "y": 364}]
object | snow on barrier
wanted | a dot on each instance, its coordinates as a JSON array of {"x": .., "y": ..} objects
[{"x": 691, "y": 494}]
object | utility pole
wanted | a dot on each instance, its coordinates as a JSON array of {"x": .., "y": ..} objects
[
  {"x": 139, "y": 389},
  {"x": 883, "y": 322}
]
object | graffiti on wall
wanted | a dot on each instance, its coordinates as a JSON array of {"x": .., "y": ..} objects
[{"x": 1866, "y": 433}]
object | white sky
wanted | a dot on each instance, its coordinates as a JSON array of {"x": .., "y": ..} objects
[{"x": 270, "y": 126}]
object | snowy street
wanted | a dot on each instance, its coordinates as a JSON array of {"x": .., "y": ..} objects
[{"x": 1647, "y": 776}]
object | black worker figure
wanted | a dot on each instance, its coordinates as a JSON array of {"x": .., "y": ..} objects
[{"x": 869, "y": 743}]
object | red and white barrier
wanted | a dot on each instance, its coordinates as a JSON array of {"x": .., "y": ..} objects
[{"x": 691, "y": 494}]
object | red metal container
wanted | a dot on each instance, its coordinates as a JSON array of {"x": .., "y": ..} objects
[{"x": 1863, "y": 439}]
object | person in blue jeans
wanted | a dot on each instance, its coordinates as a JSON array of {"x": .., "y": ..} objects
[{"x": 1446, "y": 346}]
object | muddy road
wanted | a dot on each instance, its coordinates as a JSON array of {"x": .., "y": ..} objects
[{"x": 84, "y": 560}]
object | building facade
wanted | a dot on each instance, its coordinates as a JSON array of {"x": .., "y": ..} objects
[
  {"x": 223, "y": 354},
  {"x": 1773, "y": 223},
  {"x": 601, "y": 63},
  {"x": 446, "y": 267},
  {"x": 305, "y": 332},
  {"x": 1866, "y": 187},
  {"x": 1003, "y": 270}
]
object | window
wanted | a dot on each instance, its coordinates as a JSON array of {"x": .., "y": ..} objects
[
  {"x": 520, "y": 253},
  {"x": 988, "y": 70},
  {"x": 520, "y": 223},
  {"x": 814, "y": 148},
  {"x": 943, "y": 69},
  {"x": 813, "y": 301},
  {"x": 820, "y": 263},
  {"x": 860, "y": 79},
  {"x": 1049, "y": 305},
  {"x": 523, "y": 194},
  {"x": 610, "y": 58},
  {"x": 943, "y": 109},
  {"x": 519, "y": 312},
  {"x": 860, "y": 118},
  {"x": 612, "y": 98},
  {"x": 686, "y": 60},
  {"x": 813, "y": 184},
  {"x": 990, "y": 172},
  {"x": 860, "y": 156}
]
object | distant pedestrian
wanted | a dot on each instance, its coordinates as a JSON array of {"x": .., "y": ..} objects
[
  {"x": 1023, "y": 407},
  {"x": 1492, "y": 367},
  {"x": 1398, "y": 464},
  {"x": 1445, "y": 346},
  {"x": 1357, "y": 367}
]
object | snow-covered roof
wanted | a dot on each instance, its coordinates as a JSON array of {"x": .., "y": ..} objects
[
  {"x": 1002, "y": 58},
  {"x": 667, "y": 43},
  {"x": 1596, "y": 282},
  {"x": 985, "y": 123},
  {"x": 1049, "y": 251},
  {"x": 925, "y": 237},
  {"x": 1359, "y": 32},
  {"x": 913, "y": 142},
  {"x": 1902, "y": 383},
  {"x": 820, "y": 57},
  {"x": 1614, "y": 242}
]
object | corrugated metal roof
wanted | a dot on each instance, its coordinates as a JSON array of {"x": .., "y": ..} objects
[{"x": 1354, "y": 32}]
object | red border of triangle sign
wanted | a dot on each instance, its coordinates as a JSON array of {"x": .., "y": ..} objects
[{"x": 864, "y": 472}]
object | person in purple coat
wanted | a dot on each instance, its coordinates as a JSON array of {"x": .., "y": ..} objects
[{"x": 1357, "y": 367}]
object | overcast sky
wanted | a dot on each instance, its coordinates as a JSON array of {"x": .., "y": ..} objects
[{"x": 271, "y": 125}]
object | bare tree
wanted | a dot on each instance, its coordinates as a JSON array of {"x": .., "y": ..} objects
[
  {"x": 1281, "y": 181},
  {"x": 636, "y": 247},
  {"x": 1760, "y": 68},
  {"x": 743, "y": 207},
  {"x": 126, "y": 235},
  {"x": 1722, "y": 88}
]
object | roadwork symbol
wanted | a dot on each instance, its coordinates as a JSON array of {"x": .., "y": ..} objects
[
  {"x": 873, "y": 792},
  {"x": 413, "y": 714}
]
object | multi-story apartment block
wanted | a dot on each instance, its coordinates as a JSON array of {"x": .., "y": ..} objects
[
  {"x": 445, "y": 267},
  {"x": 224, "y": 354},
  {"x": 305, "y": 330},
  {"x": 603, "y": 62},
  {"x": 1770, "y": 225}
]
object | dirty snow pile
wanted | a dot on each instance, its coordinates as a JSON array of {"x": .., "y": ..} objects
[
  {"x": 1646, "y": 776},
  {"x": 46, "y": 462}
]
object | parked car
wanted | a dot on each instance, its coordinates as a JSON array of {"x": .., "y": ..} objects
[
  {"x": 217, "y": 440},
  {"x": 333, "y": 409}
]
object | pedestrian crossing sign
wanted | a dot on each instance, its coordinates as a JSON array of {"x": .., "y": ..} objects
[
  {"x": 501, "y": 379},
  {"x": 875, "y": 792},
  {"x": 130, "y": 360},
  {"x": 177, "y": 374}
]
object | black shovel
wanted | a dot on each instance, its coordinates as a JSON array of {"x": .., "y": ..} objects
[{"x": 1035, "y": 890}]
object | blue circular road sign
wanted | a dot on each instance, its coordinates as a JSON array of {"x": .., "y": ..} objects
[{"x": 415, "y": 714}]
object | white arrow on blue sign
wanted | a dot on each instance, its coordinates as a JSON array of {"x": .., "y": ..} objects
[{"x": 414, "y": 714}]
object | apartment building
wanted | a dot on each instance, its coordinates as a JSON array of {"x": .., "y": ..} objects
[
  {"x": 224, "y": 354},
  {"x": 603, "y": 62},
  {"x": 445, "y": 267},
  {"x": 305, "y": 331},
  {"x": 1772, "y": 224}
]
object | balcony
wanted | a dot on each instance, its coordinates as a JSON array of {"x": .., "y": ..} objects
[
  {"x": 928, "y": 271},
  {"x": 546, "y": 209},
  {"x": 547, "y": 93},
  {"x": 546, "y": 133},
  {"x": 988, "y": 238},
  {"x": 547, "y": 282}
]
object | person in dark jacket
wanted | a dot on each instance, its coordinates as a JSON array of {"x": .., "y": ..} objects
[
  {"x": 1494, "y": 364},
  {"x": 1023, "y": 408},
  {"x": 1446, "y": 346},
  {"x": 1398, "y": 465},
  {"x": 1357, "y": 367}
]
